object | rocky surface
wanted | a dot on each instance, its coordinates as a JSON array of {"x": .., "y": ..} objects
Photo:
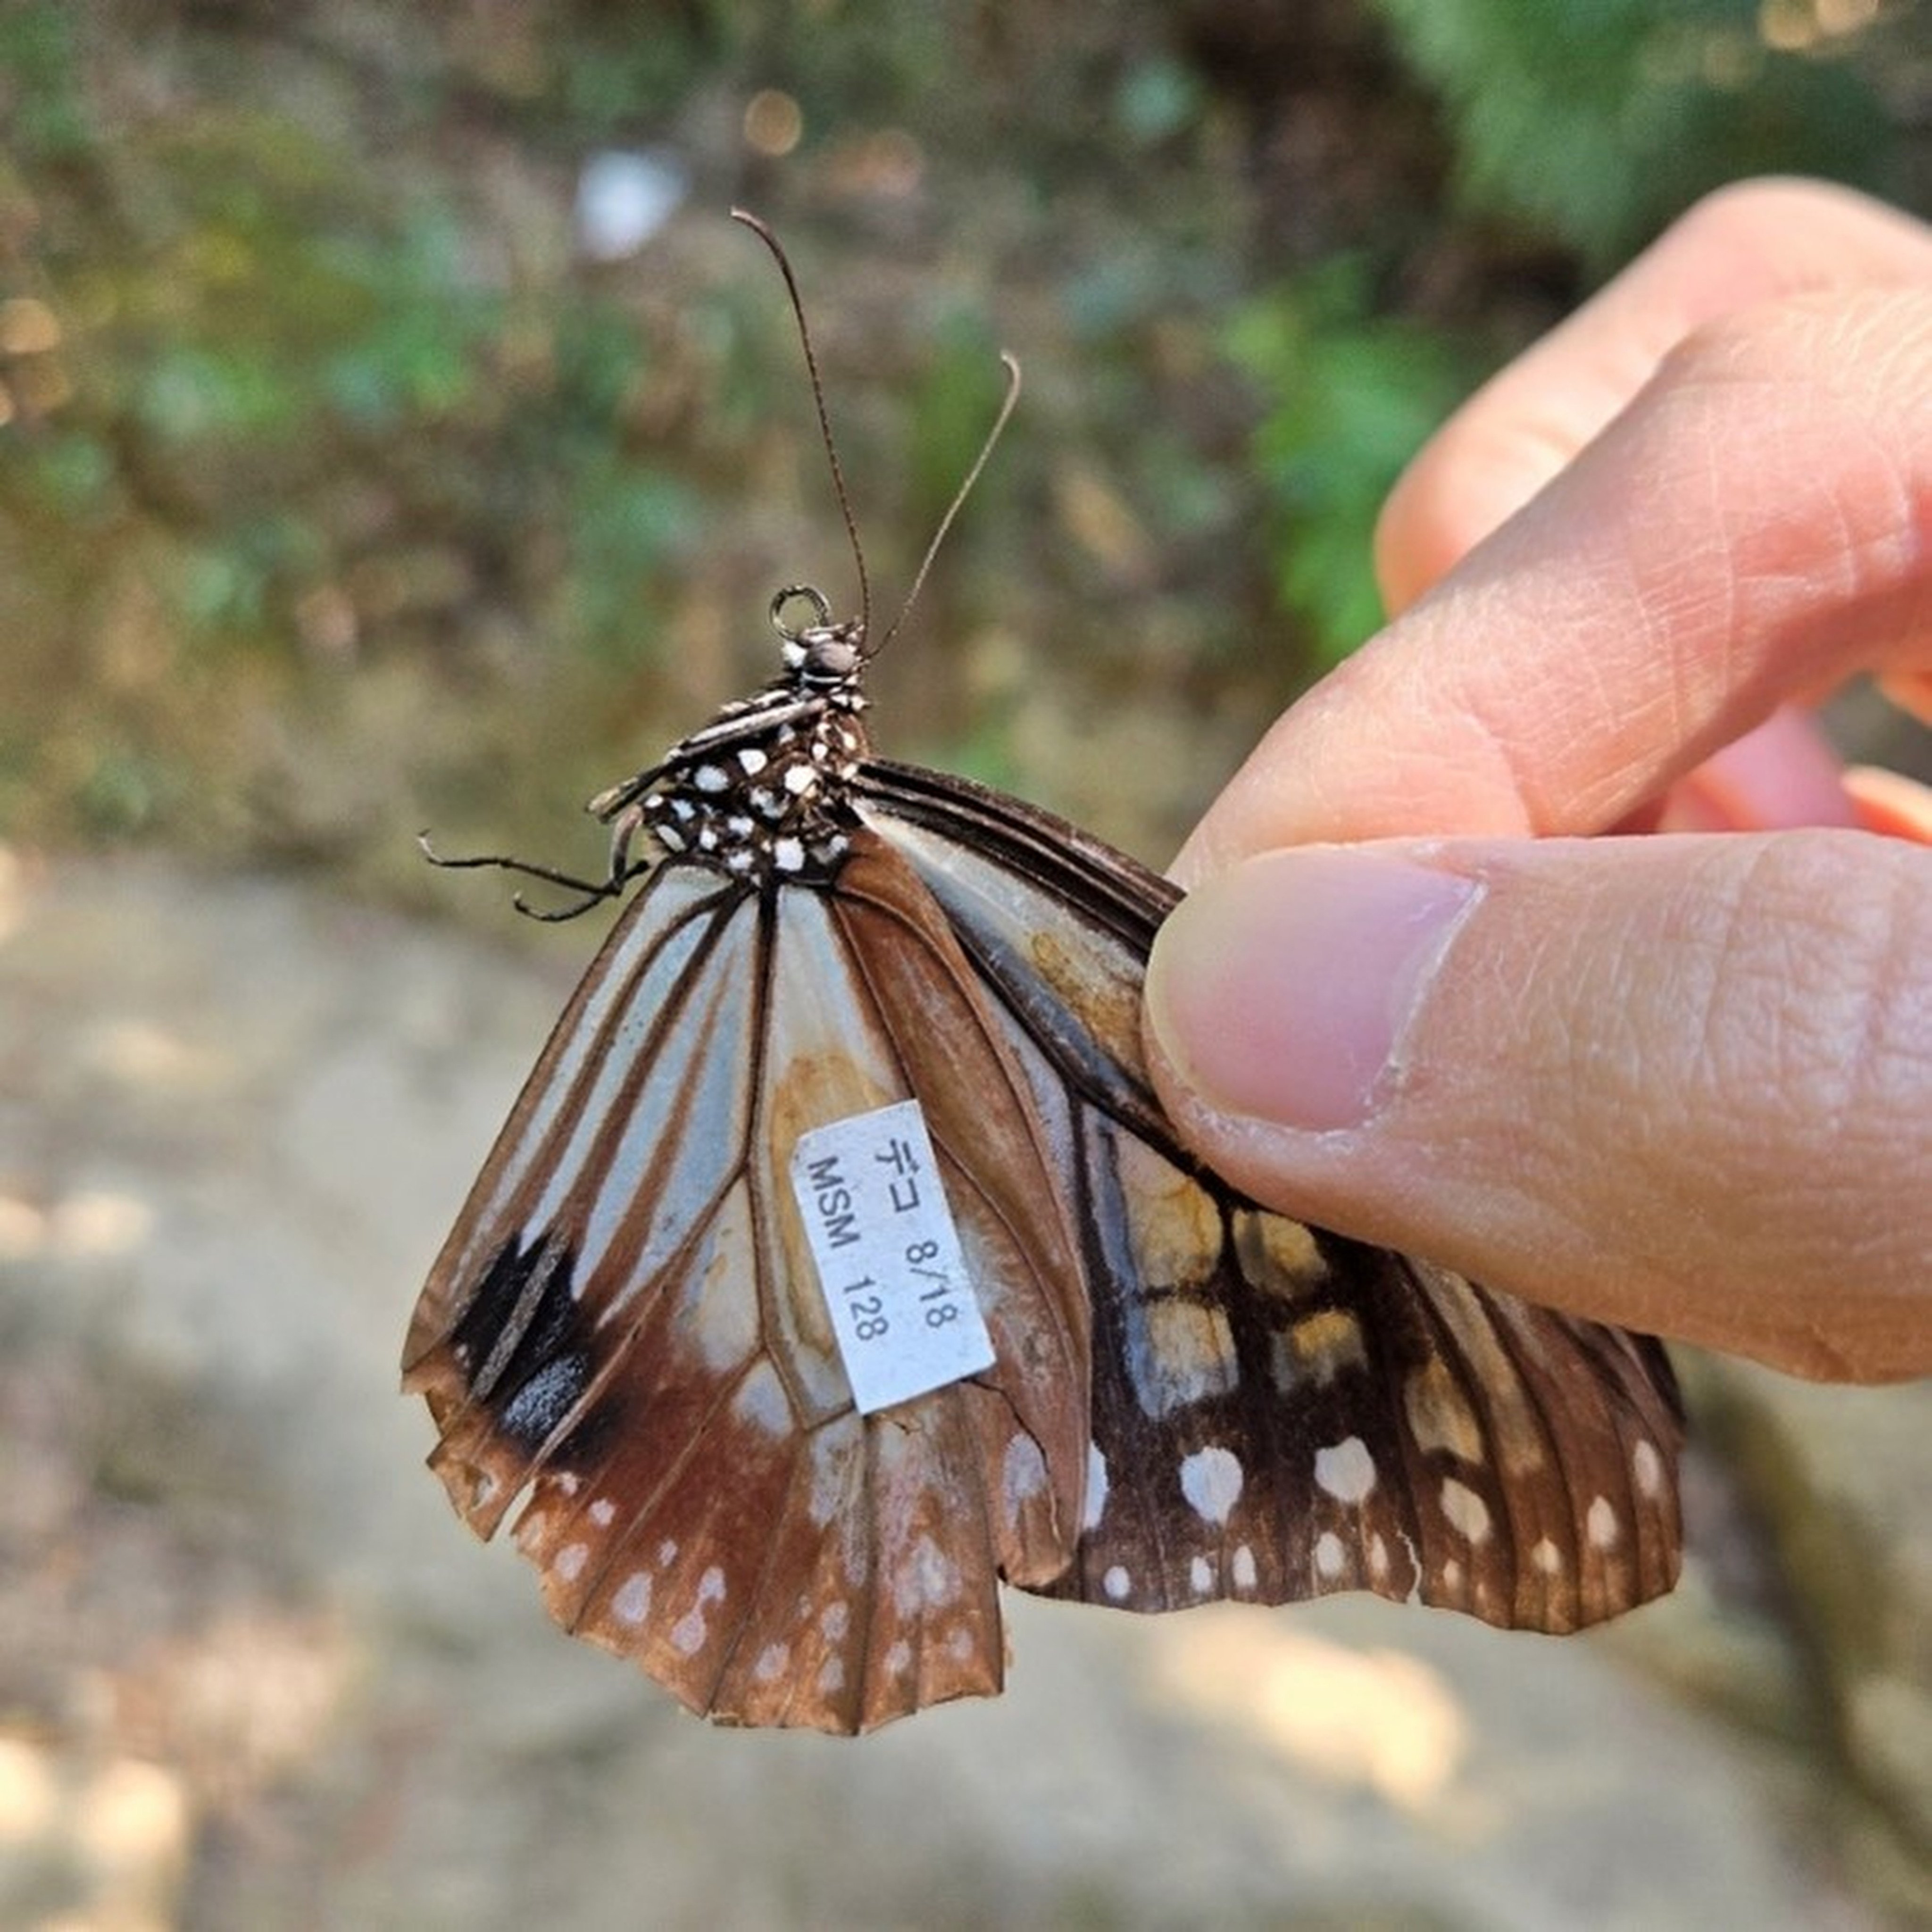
[{"x": 253, "y": 1673}]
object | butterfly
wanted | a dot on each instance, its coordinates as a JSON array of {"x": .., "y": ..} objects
[{"x": 858, "y": 1069}]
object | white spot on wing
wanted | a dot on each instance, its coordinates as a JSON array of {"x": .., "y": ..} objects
[
  {"x": 603, "y": 1512},
  {"x": 1211, "y": 1480},
  {"x": 1117, "y": 1584},
  {"x": 1201, "y": 1576},
  {"x": 761, "y": 1401},
  {"x": 1346, "y": 1470},
  {"x": 1648, "y": 1467},
  {"x": 1242, "y": 1568},
  {"x": 632, "y": 1603},
  {"x": 570, "y": 1560},
  {"x": 1022, "y": 1474},
  {"x": 1600, "y": 1524},
  {"x": 1468, "y": 1515},
  {"x": 771, "y": 1661},
  {"x": 1546, "y": 1558},
  {"x": 930, "y": 1578},
  {"x": 1331, "y": 1558},
  {"x": 1096, "y": 1487},
  {"x": 688, "y": 1633}
]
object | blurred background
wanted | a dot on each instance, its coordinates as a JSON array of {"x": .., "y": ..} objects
[{"x": 394, "y": 432}]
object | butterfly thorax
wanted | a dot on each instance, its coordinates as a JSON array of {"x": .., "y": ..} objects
[{"x": 760, "y": 791}]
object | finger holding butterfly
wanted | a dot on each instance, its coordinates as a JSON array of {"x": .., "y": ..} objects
[{"x": 1680, "y": 1084}]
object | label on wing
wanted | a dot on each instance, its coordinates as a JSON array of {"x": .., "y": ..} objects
[{"x": 888, "y": 1256}]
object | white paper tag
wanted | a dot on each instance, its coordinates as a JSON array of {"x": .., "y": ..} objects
[{"x": 888, "y": 1256}]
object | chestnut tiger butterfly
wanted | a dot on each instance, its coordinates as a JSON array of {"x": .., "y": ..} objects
[{"x": 858, "y": 1005}]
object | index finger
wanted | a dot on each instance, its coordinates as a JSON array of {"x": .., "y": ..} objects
[
  {"x": 1754, "y": 527},
  {"x": 1743, "y": 245}
]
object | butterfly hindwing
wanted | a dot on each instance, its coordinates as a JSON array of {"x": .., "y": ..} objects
[{"x": 1279, "y": 1413}]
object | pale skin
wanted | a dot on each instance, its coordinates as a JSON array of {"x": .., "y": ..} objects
[{"x": 1438, "y": 988}]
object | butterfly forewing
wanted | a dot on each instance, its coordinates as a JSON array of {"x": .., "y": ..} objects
[
  {"x": 1278, "y": 1413},
  {"x": 627, "y": 1322}
]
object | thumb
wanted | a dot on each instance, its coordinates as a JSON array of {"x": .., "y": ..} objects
[{"x": 1683, "y": 1084}]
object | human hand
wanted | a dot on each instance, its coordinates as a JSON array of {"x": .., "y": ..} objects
[{"x": 1680, "y": 1082}]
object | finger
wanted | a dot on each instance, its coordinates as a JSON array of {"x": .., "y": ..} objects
[
  {"x": 1683, "y": 1084},
  {"x": 1887, "y": 802},
  {"x": 1752, "y": 530},
  {"x": 1784, "y": 773},
  {"x": 1744, "y": 245}
]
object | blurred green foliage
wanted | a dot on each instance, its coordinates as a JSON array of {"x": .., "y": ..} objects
[
  {"x": 340, "y": 484},
  {"x": 46, "y": 120},
  {"x": 1597, "y": 121},
  {"x": 1582, "y": 128},
  {"x": 1352, "y": 397}
]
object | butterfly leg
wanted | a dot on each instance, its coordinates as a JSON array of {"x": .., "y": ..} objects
[{"x": 590, "y": 893}]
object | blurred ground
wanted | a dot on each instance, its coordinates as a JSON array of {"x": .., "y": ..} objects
[{"x": 252, "y": 1674}]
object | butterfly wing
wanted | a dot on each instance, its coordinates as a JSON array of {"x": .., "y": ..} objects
[
  {"x": 626, "y": 1323},
  {"x": 1279, "y": 1413}
]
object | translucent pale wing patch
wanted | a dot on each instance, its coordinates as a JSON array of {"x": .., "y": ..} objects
[
  {"x": 1278, "y": 1413},
  {"x": 626, "y": 1326}
]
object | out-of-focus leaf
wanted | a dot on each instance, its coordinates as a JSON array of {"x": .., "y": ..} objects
[
  {"x": 1598, "y": 121},
  {"x": 1348, "y": 398}
]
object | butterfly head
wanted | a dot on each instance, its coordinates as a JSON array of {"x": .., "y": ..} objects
[{"x": 822, "y": 655}]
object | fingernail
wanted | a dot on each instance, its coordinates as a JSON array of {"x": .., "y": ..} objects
[{"x": 1281, "y": 990}]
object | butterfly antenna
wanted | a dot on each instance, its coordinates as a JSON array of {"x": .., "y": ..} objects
[
  {"x": 771, "y": 241},
  {"x": 1012, "y": 367}
]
